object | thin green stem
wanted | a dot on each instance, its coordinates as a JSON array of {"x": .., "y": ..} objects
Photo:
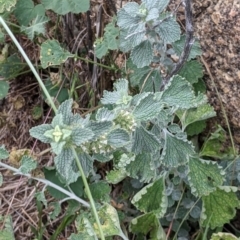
[
  {"x": 186, "y": 215},
  {"x": 12, "y": 24},
  {"x": 96, "y": 63},
  {"x": 50, "y": 100},
  {"x": 89, "y": 194},
  {"x": 170, "y": 228}
]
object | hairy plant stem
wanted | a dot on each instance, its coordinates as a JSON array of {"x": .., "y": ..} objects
[
  {"x": 47, "y": 183},
  {"x": 8, "y": 30},
  {"x": 89, "y": 194}
]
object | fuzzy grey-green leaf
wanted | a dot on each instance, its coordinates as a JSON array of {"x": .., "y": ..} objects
[
  {"x": 175, "y": 151},
  {"x": 144, "y": 141},
  {"x": 142, "y": 54},
  {"x": 66, "y": 166}
]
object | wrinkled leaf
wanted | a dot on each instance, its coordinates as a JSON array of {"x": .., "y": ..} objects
[
  {"x": 176, "y": 150},
  {"x": 179, "y": 93},
  {"x": 204, "y": 176},
  {"x": 109, "y": 217},
  {"x": 118, "y": 138},
  {"x": 27, "y": 164},
  {"x": 66, "y": 166},
  {"x": 148, "y": 224},
  {"x": 192, "y": 71},
  {"x": 214, "y": 145},
  {"x": 140, "y": 168},
  {"x": 169, "y": 30},
  {"x": 144, "y": 141},
  {"x": 86, "y": 162},
  {"x": 147, "y": 108},
  {"x": 119, "y": 95},
  {"x": 152, "y": 198},
  {"x": 38, "y": 132},
  {"x": 192, "y": 115},
  {"x": 116, "y": 176},
  {"x": 142, "y": 54},
  {"x": 219, "y": 207}
]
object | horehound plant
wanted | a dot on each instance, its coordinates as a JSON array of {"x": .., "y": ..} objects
[{"x": 144, "y": 136}]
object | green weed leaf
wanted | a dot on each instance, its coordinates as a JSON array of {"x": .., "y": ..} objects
[
  {"x": 6, "y": 5},
  {"x": 7, "y": 71},
  {"x": 219, "y": 207},
  {"x": 212, "y": 147},
  {"x": 7, "y": 233},
  {"x": 159, "y": 4},
  {"x": 100, "y": 191},
  {"x": 140, "y": 168},
  {"x": 80, "y": 236},
  {"x": 56, "y": 210},
  {"x": 179, "y": 92},
  {"x": 81, "y": 135},
  {"x": 204, "y": 176},
  {"x": 103, "y": 114},
  {"x": 63, "y": 7},
  {"x": 109, "y": 217},
  {"x": 176, "y": 150},
  {"x": 27, "y": 164},
  {"x": 87, "y": 163},
  {"x": 37, "y": 27},
  {"x": 192, "y": 115},
  {"x": 109, "y": 41},
  {"x": 38, "y": 132},
  {"x": 223, "y": 236},
  {"x": 169, "y": 30},
  {"x": 142, "y": 54},
  {"x": 144, "y": 141},
  {"x": 147, "y": 108},
  {"x": 125, "y": 18},
  {"x": 65, "y": 109},
  {"x": 53, "y": 54},
  {"x": 178, "y": 47},
  {"x": 118, "y": 138},
  {"x": 51, "y": 175},
  {"x": 66, "y": 166},
  {"x": 3, "y": 152},
  {"x": 119, "y": 95},
  {"x": 196, "y": 128},
  {"x": 148, "y": 224},
  {"x": 132, "y": 37},
  {"x": 25, "y": 11},
  {"x": 116, "y": 176},
  {"x": 101, "y": 47},
  {"x": 152, "y": 198},
  {"x": 55, "y": 91},
  {"x": 192, "y": 71},
  {"x": 41, "y": 198},
  {"x": 4, "y": 87}
]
